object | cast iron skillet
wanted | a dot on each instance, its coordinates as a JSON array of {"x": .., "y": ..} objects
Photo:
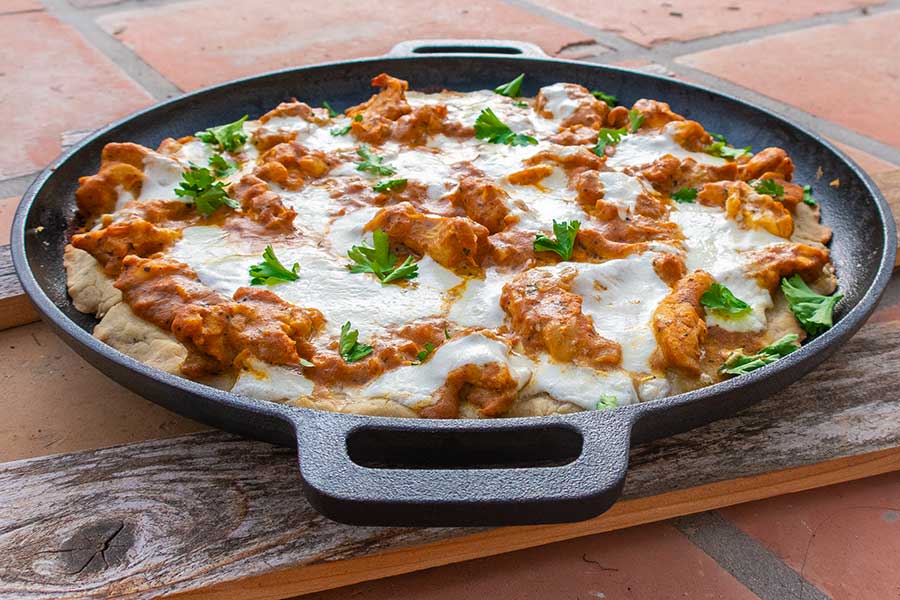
[{"x": 384, "y": 471}]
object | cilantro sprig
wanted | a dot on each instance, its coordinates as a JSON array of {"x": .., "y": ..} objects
[
  {"x": 389, "y": 185},
  {"x": 228, "y": 137},
  {"x": 807, "y": 196},
  {"x": 721, "y": 301},
  {"x": 270, "y": 271},
  {"x": 346, "y": 128},
  {"x": 331, "y": 112},
  {"x": 608, "y": 98},
  {"x": 685, "y": 195},
  {"x": 723, "y": 150},
  {"x": 814, "y": 311},
  {"x": 348, "y": 346},
  {"x": 740, "y": 364},
  {"x": 380, "y": 261},
  {"x": 422, "y": 355},
  {"x": 372, "y": 163},
  {"x": 490, "y": 128},
  {"x": 511, "y": 89},
  {"x": 565, "y": 233},
  {"x": 205, "y": 192},
  {"x": 769, "y": 187},
  {"x": 222, "y": 167},
  {"x": 635, "y": 120},
  {"x": 607, "y": 401},
  {"x": 608, "y": 137}
]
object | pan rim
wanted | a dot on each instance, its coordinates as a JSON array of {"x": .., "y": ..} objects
[{"x": 803, "y": 359}]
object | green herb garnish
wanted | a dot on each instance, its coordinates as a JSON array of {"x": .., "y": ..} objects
[
  {"x": 721, "y": 301},
  {"x": 390, "y": 184},
  {"x": 813, "y": 311},
  {"x": 521, "y": 104},
  {"x": 380, "y": 261},
  {"x": 739, "y": 364},
  {"x": 685, "y": 195},
  {"x": 228, "y": 137},
  {"x": 565, "y": 233},
  {"x": 718, "y": 137},
  {"x": 770, "y": 188},
  {"x": 635, "y": 120},
  {"x": 608, "y": 98},
  {"x": 490, "y": 128},
  {"x": 807, "y": 196},
  {"x": 372, "y": 163},
  {"x": 607, "y": 401},
  {"x": 270, "y": 271},
  {"x": 306, "y": 363},
  {"x": 222, "y": 167},
  {"x": 207, "y": 193},
  {"x": 723, "y": 150},
  {"x": 346, "y": 128},
  {"x": 351, "y": 350},
  {"x": 608, "y": 137},
  {"x": 511, "y": 89},
  {"x": 331, "y": 112},
  {"x": 423, "y": 354}
]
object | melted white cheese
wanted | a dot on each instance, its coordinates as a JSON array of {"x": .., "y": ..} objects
[
  {"x": 559, "y": 104},
  {"x": 715, "y": 244},
  {"x": 161, "y": 176},
  {"x": 271, "y": 382},
  {"x": 479, "y": 304},
  {"x": 621, "y": 191},
  {"x": 582, "y": 386},
  {"x": 643, "y": 148},
  {"x": 621, "y": 296},
  {"x": 414, "y": 385},
  {"x": 537, "y": 206}
]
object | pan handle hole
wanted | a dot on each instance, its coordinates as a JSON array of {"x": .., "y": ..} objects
[
  {"x": 547, "y": 446},
  {"x": 466, "y": 50}
]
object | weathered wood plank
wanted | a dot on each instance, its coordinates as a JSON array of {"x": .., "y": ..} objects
[
  {"x": 15, "y": 307},
  {"x": 209, "y": 509}
]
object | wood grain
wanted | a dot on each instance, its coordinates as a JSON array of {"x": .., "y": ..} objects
[
  {"x": 15, "y": 307},
  {"x": 210, "y": 509}
]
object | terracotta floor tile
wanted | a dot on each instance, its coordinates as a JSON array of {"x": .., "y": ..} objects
[
  {"x": 52, "y": 81},
  {"x": 642, "y": 563},
  {"x": 7, "y": 211},
  {"x": 872, "y": 164},
  {"x": 845, "y": 539},
  {"x": 649, "y": 22},
  {"x": 277, "y": 34},
  {"x": 849, "y": 74},
  {"x": 12, "y": 6}
]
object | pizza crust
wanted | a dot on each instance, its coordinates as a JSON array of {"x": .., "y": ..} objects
[
  {"x": 91, "y": 289},
  {"x": 143, "y": 341}
]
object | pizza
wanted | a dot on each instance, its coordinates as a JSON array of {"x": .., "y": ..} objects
[{"x": 453, "y": 254}]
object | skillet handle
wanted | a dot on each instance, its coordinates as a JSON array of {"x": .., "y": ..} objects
[
  {"x": 448, "y": 46},
  {"x": 374, "y": 471}
]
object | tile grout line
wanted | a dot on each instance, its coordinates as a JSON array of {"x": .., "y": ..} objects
[
  {"x": 131, "y": 64},
  {"x": 746, "y": 559},
  {"x": 16, "y": 186}
]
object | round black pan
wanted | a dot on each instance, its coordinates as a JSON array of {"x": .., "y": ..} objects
[{"x": 381, "y": 471}]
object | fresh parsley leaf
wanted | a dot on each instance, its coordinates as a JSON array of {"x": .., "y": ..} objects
[
  {"x": 718, "y": 137},
  {"x": 331, "y": 112},
  {"x": 423, "y": 354},
  {"x": 222, "y": 167},
  {"x": 346, "y": 128},
  {"x": 769, "y": 187},
  {"x": 511, "y": 89},
  {"x": 351, "y": 350},
  {"x": 635, "y": 120},
  {"x": 372, "y": 163},
  {"x": 270, "y": 271},
  {"x": 608, "y": 98},
  {"x": 721, "y": 301},
  {"x": 608, "y": 137},
  {"x": 565, "y": 233},
  {"x": 685, "y": 195},
  {"x": 607, "y": 401},
  {"x": 207, "y": 194},
  {"x": 521, "y": 104},
  {"x": 390, "y": 184},
  {"x": 228, "y": 137},
  {"x": 489, "y": 127},
  {"x": 807, "y": 196},
  {"x": 813, "y": 311},
  {"x": 740, "y": 364},
  {"x": 305, "y": 362},
  {"x": 723, "y": 150},
  {"x": 380, "y": 261}
]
